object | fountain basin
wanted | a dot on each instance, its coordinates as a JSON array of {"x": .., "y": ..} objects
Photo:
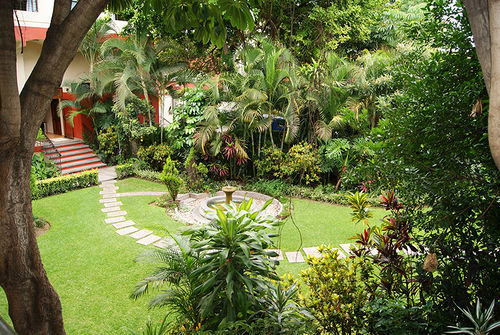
[{"x": 209, "y": 205}]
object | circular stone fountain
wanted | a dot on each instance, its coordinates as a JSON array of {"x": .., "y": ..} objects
[
  {"x": 198, "y": 208},
  {"x": 209, "y": 206}
]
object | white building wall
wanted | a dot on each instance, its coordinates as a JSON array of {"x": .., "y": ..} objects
[{"x": 27, "y": 56}]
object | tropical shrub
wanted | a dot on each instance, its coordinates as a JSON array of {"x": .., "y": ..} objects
[
  {"x": 187, "y": 115},
  {"x": 359, "y": 206},
  {"x": 125, "y": 170},
  {"x": 33, "y": 186},
  {"x": 337, "y": 292},
  {"x": 63, "y": 184},
  {"x": 436, "y": 152},
  {"x": 301, "y": 164},
  {"x": 327, "y": 193},
  {"x": 218, "y": 273},
  {"x": 197, "y": 173},
  {"x": 154, "y": 155},
  {"x": 170, "y": 177},
  {"x": 108, "y": 145},
  {"x": 269, "y": 165},
  {"x": 148, "y": 174},
  {"x": 384, "y": 315},
  {"x": 42, "y": 168}
]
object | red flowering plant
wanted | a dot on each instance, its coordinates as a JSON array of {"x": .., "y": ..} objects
[{"x": 390, "y": 248}]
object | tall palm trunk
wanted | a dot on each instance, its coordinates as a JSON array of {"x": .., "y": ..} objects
[{"x": 146, "y": 96}]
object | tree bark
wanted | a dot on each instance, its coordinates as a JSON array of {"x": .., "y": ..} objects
[
  {"x": 484, "y": 19},
  {"x": 494, "y": 92},
  {"x": 34, "y": 306}
]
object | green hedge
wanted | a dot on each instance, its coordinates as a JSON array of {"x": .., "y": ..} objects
[
  {"x": 125, "y": 170},
  {"x": 63, "y": 184},
  {"x": 279, "y": 188},
  {"x": 129, "y": 170}
]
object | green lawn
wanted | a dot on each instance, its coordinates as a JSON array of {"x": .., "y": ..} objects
[
  {"x": 93, "y": 269},
  {"x": 90, "y": 266}
]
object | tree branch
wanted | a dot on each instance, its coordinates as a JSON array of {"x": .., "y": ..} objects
[{"x": 10, "y": 119}]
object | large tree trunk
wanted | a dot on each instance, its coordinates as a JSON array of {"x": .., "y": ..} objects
[
  {"x": 494, "y": 111},
  {"x": 34, "y": 306},
  {"x": 484, "y": 19}
]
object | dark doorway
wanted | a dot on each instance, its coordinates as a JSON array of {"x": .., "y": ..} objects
[{"x": 56, "y": 120}]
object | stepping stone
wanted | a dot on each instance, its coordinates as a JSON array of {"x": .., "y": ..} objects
[
  {"x": 312, "y": 252},
  {"x": 113, "y": 214},
  {"x": 279, "y": 252},
  {"x": 108, "y": 192},
  {"x": 109, "y": 196},
  {"x": 103, "y": 201},
  {"x": 108, "y": 187},
  {"x": 167, "y": 243},
  {"x": 340, "y": 254},
  {"x": 162, "y": 244},
  {"x": 112, "y": 204},
  {"x": 108, "y": 182},
  {"x": 347, "y": 248},
  {"x": 294, "y": 257},
  {"x": 126, "y": 231},
  {"x": 124, "y": 224},
  {"x": 148, "y": 239},
  {"x": 114, "y": 220},
  {"x": 141, "y": 234},
  {"x": 110, "y": 209}
]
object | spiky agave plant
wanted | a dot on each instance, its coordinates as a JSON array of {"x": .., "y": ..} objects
[{"x": 480, "y": 319}]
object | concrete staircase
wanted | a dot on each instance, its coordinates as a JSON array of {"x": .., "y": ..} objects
[{"x": 71, "y": 156}]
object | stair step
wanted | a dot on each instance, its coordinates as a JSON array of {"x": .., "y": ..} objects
[
  {"x": 61, "y": 143},
  {"x": 71, "y": 158},
  {"x": 69, "y": 153},
  {"x": 67, "y": 148},
  {"x": 79, "y": 162},
  {"x": 82, "y": 168}
]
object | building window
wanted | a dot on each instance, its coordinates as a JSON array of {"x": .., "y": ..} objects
[{"x": 26, "y": 5}]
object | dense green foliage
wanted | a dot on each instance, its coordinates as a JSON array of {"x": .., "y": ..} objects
[
  {"x": 42, "y": 168},
  {"x": 436, "y": 153}
]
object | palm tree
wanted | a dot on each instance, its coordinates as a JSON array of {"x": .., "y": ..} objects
[
  {"x": 370, "y": 80},
  {"x": 91, "y": 44},
  {"x": 326, "y": 94},
  {"x": 135, "y": 63}
]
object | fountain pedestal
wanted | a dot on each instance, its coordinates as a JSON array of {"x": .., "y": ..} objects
[{"x": 229, "y": 190}]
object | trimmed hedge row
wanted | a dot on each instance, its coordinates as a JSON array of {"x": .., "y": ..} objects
[
  {"x": 46, "y": 187},
  {"x": 279, "y": 188},
  {"x": 128, "y": 170}
]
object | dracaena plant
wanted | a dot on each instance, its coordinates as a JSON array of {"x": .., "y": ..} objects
[
  {"x": 359, "y": 205},
  {"x": 387, "y": 246},
  {"x": 233, "y": 251}
]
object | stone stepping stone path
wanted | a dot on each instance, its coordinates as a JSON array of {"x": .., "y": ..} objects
[
  {"x": 279, "y": 252},
  {"x": 294, "y": 257},
  {"x": 149, "y": 239},
  {"x": 141, "y": 234},
  {"x": 116, "y": 216}
]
